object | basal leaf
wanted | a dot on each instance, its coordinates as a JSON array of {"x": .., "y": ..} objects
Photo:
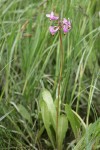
[
  {"x": 46, "y": 120},
  {"x": 62, "y": 129},
  {"x": 47, "y": 98}
]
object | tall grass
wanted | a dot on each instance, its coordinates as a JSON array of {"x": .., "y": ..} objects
[{"x": 30, "y": 62}]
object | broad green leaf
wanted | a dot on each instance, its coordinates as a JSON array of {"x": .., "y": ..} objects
[
  {"x": 24, "y": 113},
  {"x": 47, "y": 98},
  {"x": 62, "y": 129},
  {"x": 74, "y": 121},
  {"x": 47, "y": 121}
]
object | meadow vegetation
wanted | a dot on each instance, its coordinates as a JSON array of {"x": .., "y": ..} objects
[{"x": 29, "y": 73}]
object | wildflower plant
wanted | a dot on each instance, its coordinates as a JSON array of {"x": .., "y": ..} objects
[{"x": 52, "y": 115}]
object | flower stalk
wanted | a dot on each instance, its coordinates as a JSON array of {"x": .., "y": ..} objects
[{"x": 59, "y": 85}]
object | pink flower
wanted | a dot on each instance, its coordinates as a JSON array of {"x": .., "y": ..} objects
[
  {"x": 67, "y": 22},
  {"x": 65, "y": 29},
  {"x": 66, "y": 25},
  {"x": 51, "y": 16},
  {"x": 53, "y": 29}
]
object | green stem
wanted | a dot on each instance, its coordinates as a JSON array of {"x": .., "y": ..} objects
[{"x": 59, "y": 86}]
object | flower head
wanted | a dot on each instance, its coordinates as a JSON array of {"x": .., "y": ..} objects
[
  {"x": 53, "y": 29},
  {"x": 52, "y": 16},
  {"x": 64, "y": 24}
]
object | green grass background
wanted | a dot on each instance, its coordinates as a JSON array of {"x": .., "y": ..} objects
[{"x": 28, "y": 64}]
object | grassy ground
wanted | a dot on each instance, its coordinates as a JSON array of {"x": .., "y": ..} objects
[{"x": 30, "y": 62}]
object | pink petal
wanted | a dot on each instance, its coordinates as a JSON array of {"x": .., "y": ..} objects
[
  {"x": 51, "y": 16},
  {"x": 65, "y": 21},
  {"x": 52, "y": 13},
  {"x": 53, "y": 29},
  {"x": 65, "y": 29},
  {"x": 54, "y": 18}
]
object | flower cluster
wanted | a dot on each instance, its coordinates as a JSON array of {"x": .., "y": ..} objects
[{"x": 65, "y": 25}]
